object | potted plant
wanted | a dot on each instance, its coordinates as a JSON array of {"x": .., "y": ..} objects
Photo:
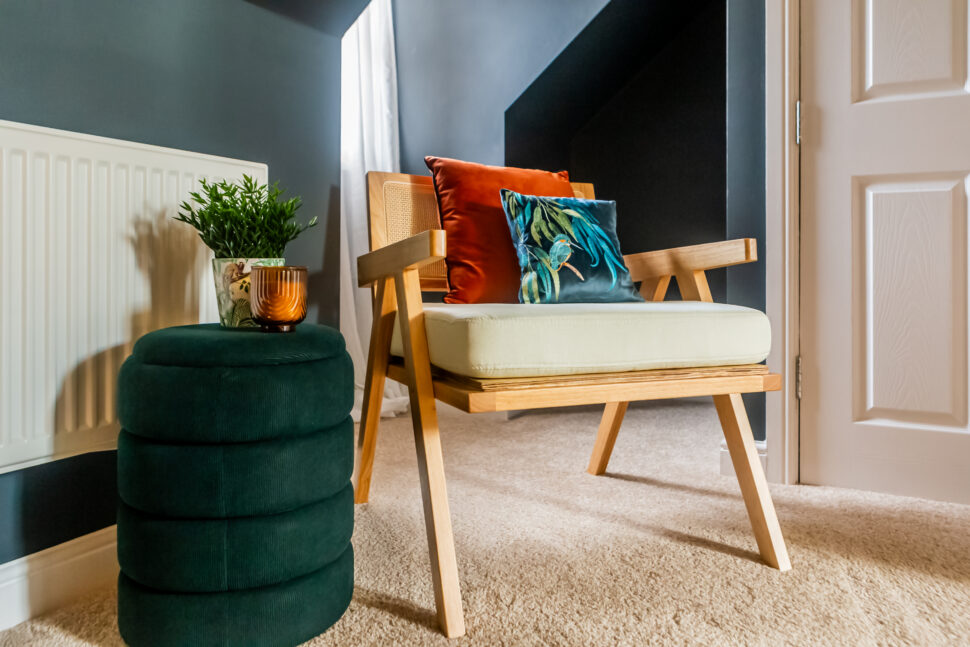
[{"x": 244, "y": 224}]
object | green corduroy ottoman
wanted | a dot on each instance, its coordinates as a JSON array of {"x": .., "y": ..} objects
[{"x": 234, "y": 468}]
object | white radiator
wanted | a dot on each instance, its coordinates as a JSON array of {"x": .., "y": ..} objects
[{"x": 90, "y": 260}]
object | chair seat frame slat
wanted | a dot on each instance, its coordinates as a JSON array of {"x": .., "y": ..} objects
[
  {"x": 470, "y": 398},
  {"x": 400, "y": 269},
  {"x": 600, "y": 378}
]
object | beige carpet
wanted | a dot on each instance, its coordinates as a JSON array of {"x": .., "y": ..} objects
[{"x": 657, "y": 552}]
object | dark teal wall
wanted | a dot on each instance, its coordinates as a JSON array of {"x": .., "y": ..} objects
[
  {"x": 746, "y": 162},
  {"x": 48, "y": 504},
  {"x": 657, "y": 146},
  {"x": 636, "y": 105},
  {"x": 461, "y": 63},
  {"x": 224, "y": 77}
]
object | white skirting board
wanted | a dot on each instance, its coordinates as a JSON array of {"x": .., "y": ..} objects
[
  {"x": 727, "y": 467},
  {"x": 52, "y": 578}
]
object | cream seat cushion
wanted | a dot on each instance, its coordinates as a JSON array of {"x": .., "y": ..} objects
[{"x": 491, "y": 340}]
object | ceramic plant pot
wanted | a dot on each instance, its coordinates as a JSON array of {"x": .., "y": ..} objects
[{"x": 231, "y": 276}]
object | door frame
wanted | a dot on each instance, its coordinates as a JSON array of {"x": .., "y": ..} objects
[{"x": 782, "y": 179}]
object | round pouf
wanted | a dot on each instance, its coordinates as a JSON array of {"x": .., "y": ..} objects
[{"x": 234, "y": 468}]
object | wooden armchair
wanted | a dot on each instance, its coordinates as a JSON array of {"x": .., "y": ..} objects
[{"x": 408, "y": 252}]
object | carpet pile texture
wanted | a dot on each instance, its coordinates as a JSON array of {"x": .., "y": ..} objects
[{"x": 657, "y": 552}]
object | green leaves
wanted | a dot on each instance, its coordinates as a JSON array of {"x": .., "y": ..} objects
[{"x": 244, "y": 219}]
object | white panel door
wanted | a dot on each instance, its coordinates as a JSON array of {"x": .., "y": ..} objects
[{"x": 885, "y": 178}]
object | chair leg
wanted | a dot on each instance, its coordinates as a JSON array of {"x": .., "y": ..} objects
[
  {"x": 431, "y": 469},
  {"x": 437, "y": 519},
  {"x": 378, "y": 356},
  {"x": 751, "y": 478},
  {"x": 606, "y": 437},
  {"x": 370, "y": 416}
]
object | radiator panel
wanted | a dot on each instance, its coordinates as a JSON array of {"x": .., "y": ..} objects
[{"x": 90, "y": 260}]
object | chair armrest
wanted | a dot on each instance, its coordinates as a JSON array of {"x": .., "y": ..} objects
[
  {"x": 420, "y": 249},
  {"x": 685, "y": 260}
]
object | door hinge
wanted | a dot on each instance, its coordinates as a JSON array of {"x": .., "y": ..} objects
[
  {"x": 798, "y": 122},
  {"x": 798, "y": 377}
]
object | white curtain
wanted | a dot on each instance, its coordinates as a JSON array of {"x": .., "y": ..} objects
[{"x": 369, "y": 141}]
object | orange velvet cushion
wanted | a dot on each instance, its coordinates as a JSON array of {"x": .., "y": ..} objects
[{"x": 482, "y": 266}]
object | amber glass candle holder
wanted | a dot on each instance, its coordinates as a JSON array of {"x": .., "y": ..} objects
[{"x": 278, "y": 297}]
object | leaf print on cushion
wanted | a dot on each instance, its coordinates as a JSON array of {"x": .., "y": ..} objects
[{"x": 551, "y": 235}]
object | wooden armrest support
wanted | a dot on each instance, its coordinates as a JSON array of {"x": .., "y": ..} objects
[
  {"x": 685, "y": 260},
  {"x": 420, "y": 249}
]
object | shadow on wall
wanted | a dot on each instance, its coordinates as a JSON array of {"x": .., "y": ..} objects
[
  {"x": 168, "y": 255},
  {"x": 323, "y": 287}
]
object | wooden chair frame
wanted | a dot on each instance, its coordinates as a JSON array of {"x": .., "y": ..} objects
[{"x": 395, "y": 271}]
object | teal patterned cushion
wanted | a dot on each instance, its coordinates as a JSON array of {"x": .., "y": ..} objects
[{"x": 567, "y": 249}]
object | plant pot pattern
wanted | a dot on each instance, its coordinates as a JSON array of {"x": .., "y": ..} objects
[{"x": 231, "y": 277}]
